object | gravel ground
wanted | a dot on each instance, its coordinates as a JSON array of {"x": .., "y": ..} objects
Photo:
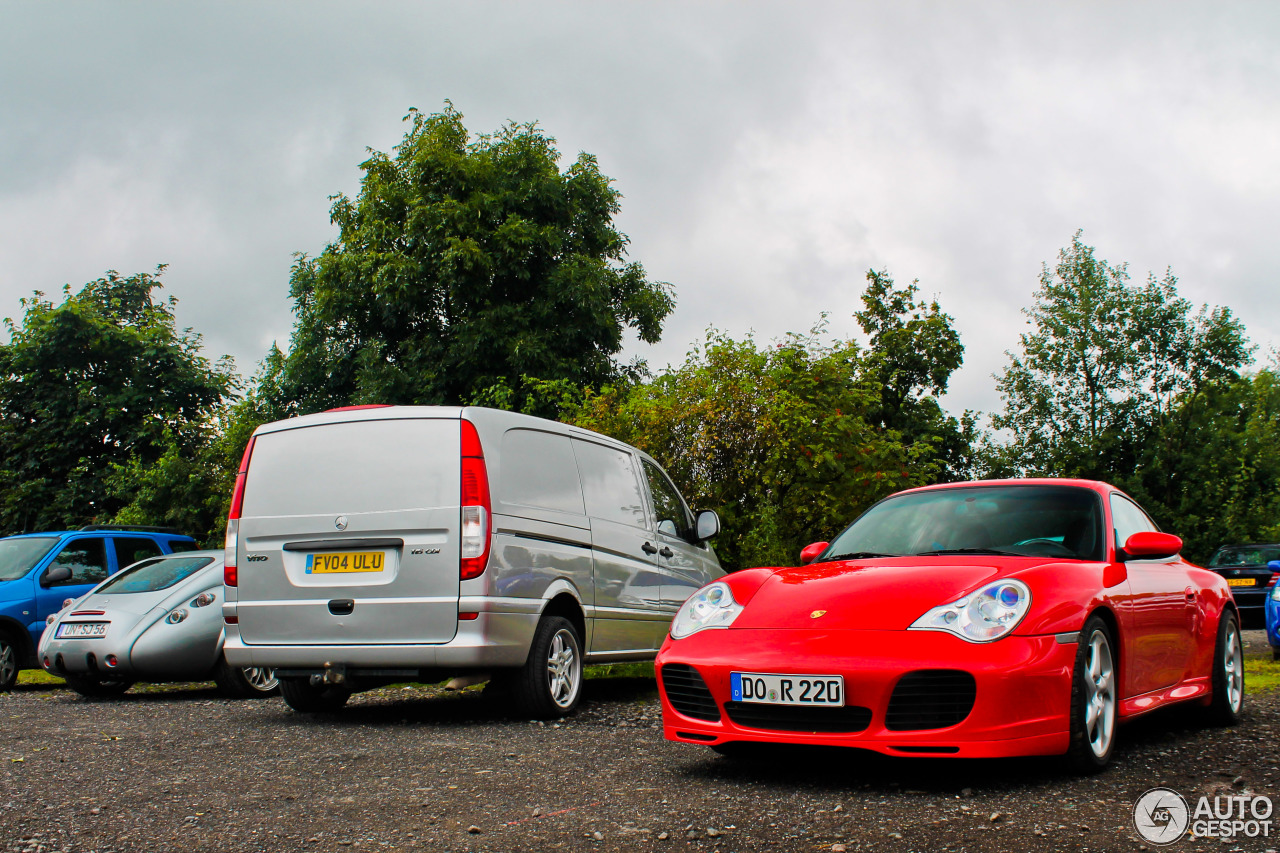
[{"x": 416, "y": 769}]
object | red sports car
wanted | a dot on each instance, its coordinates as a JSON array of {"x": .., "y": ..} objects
[{"x": 995, "y": 618}]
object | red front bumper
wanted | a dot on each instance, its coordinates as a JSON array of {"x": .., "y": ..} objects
[{"x": 1021, "y": 698}]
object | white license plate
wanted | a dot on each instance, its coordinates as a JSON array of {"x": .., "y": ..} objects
[
  {"x": 82, "y": 630},
  {"x": 771, "y": 689}
]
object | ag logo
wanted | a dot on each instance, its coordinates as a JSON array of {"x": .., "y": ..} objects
[{"x": 1161, "y": 816}]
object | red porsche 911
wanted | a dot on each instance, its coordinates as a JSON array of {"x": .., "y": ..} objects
[{"x": 983, "y": 619}]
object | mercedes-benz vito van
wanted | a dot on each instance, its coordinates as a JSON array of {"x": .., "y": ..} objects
[{"x": 376, "y": 544}]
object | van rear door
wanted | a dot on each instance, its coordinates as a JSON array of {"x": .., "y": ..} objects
[{"x": 348, "y": 534}]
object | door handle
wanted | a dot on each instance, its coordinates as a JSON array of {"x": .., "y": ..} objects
[
  {"x": 666, "y": 552},
  {"x": 648, "y": 549}
]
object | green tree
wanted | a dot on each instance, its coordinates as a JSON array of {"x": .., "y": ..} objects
[
  {"x": 101, "y": 383},
  {"x": 1104, "y": 366},
  {"x": 466, "y": 268},
  {"x": 914, "y": 349}
]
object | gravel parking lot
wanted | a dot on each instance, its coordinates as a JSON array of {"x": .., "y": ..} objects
[{"x": 413, "y": 768}]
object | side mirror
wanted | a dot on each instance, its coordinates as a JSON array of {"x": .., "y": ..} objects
[
  {"x": 706, "y": 525},
  {"x": 811, "y": 552},
  {"x": 1149, "y": 545},
  {"x": 54, "y": 575}
]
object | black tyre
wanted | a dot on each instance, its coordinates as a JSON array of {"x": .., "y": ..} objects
[
  {"x": 93, "y": 687},
  {"x": 1275, "y": 653},
  {"x": 307, "y": 698},
  {"x": 1228, "y": 674},
  {"x": 1095, "y": 702},
  {"x": 10, "y": 662},
  {"x": 549, "y": 684},
  {"x": 245, "y": 682}
]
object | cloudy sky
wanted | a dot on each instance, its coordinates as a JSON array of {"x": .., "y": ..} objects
[{"x": 768, "y": 153}]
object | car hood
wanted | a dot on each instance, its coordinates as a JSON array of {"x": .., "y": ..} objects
[{"x": 878, "y": 596}]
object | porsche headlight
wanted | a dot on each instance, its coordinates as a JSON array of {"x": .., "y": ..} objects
[
  {"x": 983, "y": 615},
  {"x": 710, "y": 607}
]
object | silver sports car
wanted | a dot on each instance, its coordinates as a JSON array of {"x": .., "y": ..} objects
[{"x": 157, "y": 620}]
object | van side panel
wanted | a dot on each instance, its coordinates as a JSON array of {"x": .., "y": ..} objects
[{"x": 349, "y": 534}]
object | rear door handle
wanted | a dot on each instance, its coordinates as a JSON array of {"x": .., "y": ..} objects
[
  {"x": 648, "y": 548},
  {"x": 666, "y": 552}
]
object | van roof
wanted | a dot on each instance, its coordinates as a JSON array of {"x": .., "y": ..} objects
[{"x": 479, "y": 415}]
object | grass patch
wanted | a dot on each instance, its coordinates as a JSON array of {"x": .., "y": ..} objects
[
  {"x": 1261, "y": 674},
  {"x": 641, "y": 669},
  {"x": 38, "y": 676}
]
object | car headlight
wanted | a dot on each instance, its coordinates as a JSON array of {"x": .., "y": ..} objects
[
  {"x": 710, "y": 607},
  {"x": 983, "y": 615},
  {"x": 1275, "y": 593}
]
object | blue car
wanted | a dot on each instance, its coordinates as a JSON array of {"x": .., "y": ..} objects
[
  {"x": 40, "y": 571},
  {"x": 1273, "y": 614}
]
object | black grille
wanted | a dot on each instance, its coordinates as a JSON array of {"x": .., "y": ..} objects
[
  {"x": 930, "y": 699},
  {"x": 688, "y": 693},
  {"x": 796, "y": 718}
]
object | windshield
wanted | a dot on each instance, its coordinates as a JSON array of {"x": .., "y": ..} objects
[
  {"x": 19, "y": 556},
  {"x": 1246, "y": 557},
  {"x": 1030, "y": 521},
  {"x": 153, "y": 575}
]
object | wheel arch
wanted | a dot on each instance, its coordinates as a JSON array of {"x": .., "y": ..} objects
[
  {"x": 564, "y": 603},
  {"x": 18, "y": 634},
  {"x": 1107, "y": 615}
]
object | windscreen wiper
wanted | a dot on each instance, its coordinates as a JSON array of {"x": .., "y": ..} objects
[
  {"x": 949, "y": 551},
  {"x": 858, "y": 555}
]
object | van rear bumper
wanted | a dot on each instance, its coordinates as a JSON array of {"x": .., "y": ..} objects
[{"x": 490, "y": 640}]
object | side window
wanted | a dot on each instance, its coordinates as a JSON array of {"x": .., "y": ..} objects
[
  {"x": 87, "y": 560},
  {"x": 538, "y": 470},
  {"x": 131, "y": 549},
  {"x": 609, "y": 484},
  {"x": 673, "y": 518},
  {"x": 177, "y": 546},
  {"x": 1128, "y": 519}
]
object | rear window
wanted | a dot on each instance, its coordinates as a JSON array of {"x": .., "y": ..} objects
[
  {"x": 360, "y": 466},
  {"x": 1245, "y": 557},
  {"x": 154, "y": 575}
]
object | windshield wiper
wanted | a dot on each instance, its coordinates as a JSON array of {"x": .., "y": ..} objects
[
  {"x": 858, "y": 555},
  {"x": 948, "y": 551}
]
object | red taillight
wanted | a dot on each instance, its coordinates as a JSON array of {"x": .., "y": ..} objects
[
  {"x": 476, "y": 508},
  {"x": 229, "y": 576}
]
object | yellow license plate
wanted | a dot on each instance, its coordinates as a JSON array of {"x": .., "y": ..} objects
[
  {"x": 1240, "y": 581},
  {"x": 345, "y": 561}
]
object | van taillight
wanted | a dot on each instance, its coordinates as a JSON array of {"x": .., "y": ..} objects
[
  {"x": 476, "y": 508},
  {"x": 229, "y": 576}
]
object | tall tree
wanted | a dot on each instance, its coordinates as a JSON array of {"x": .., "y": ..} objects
[
  {"x": 1103, "y": 366},
  {"x": 914, "y": 350},
  {"x": 102, "y": 381},
  {"x": 465, "y": 267}
]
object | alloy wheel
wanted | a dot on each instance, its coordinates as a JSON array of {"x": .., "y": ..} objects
[
  {"x": 261, "y": 678},
  {"x": 1100, "y": 695},
  {"x": 8, "y": 662},
  {"x": 564, "y": 670},
  {"x": 1233, "y": 668}
]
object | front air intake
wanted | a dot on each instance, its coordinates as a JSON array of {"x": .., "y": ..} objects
[
  {"x": 688, "y": 693},
  {"x": 930, "y": 699}
]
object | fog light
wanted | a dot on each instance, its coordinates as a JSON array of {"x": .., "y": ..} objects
[
  {"x": 111, "y": 660},
  {"x": 176, "y": 616}
]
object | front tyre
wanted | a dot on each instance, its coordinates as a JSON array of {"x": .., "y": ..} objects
[
  {"x": 1094, "y": 699},
  {"x": 93, "y": 687},
  {"x": 245, "y": 682},
  {"x": 549, "y": 684},
  {"x": 307, "y": 698},
  {"x": 1228, "y": 674},
  {"x": 9, "y": 666}
]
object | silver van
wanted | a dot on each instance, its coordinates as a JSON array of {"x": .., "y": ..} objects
[{"x": 376, "y": 544}]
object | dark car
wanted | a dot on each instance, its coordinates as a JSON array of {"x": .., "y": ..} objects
[{"x": 1247, "y": 573}]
